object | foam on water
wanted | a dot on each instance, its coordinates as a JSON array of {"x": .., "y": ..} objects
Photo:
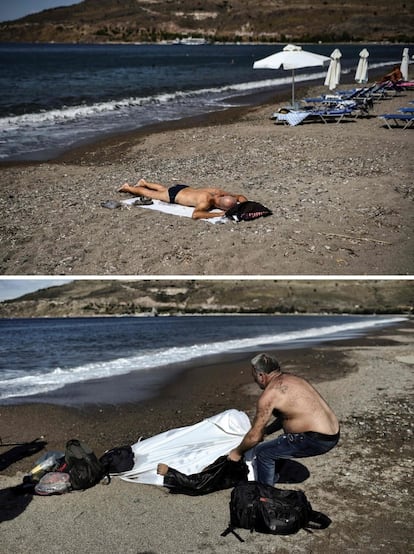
[
  {"x": 212, "y": 95},
  {"x": 12, "y": 385},
  {"x": 35, "y": 135}
]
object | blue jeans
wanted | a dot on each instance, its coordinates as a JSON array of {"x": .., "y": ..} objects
[{"x": 269, "y": 455}]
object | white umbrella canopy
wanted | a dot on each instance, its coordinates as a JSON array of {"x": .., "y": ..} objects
[
  {"x": 404, "y": 64},
  {"x": 291, "y": 57},
  {"x": 334, "y": 70},
  {"x": 361, "y": 75}
]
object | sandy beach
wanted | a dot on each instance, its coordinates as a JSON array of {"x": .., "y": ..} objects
[
  {"x": 362, "y": 485},
  {"x": 341, "y": 196}
]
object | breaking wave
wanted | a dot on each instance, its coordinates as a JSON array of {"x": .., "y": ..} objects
[{"x": 13, "y": 384}]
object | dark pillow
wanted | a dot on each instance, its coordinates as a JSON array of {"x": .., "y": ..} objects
[{"x": 245, "y": 211}]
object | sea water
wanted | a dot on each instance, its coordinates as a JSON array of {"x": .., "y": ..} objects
[
  {"x": 39, "y": 356},
  {"x": 55, "y": 97}
]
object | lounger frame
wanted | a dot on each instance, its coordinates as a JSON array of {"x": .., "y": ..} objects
[{"x": 401, "y": 120}]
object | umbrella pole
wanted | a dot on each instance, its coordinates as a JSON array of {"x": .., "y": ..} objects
[{"x": 293, "y": 88}]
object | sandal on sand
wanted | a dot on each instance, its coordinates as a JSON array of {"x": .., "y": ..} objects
[
  {"x": 142, "y": 201},
  {"x": 111, "y": 204}
]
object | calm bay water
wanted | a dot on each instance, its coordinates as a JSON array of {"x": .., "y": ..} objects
[
  {"x": 55, "y": 97},
  {"x": 39, "y": 356}
]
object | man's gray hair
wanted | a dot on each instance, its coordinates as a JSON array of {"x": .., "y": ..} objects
[{"x": 264, "y": 363}]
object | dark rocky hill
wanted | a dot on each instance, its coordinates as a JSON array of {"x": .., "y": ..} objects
[
  {"x": 224, "y": 20},
  {"x": 118, "y": 297}
]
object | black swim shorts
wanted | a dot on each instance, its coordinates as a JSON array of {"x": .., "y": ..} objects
[{"x": 174, "y": 190}]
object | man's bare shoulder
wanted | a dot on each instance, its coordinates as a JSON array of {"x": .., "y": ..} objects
[
  {"x": 281, "y": 388},
  {"x": 282, "y": 382},
  {"x": 268, "y": 398}
]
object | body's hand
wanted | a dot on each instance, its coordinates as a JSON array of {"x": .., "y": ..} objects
[{"x": 234, "y": 456}]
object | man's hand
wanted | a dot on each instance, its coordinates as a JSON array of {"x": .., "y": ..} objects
[
  {"x": 234, "y": 456},
  {"x": 203, "y": 214}
]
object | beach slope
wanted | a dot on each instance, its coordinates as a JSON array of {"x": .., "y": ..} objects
[{"x": 341, "y": 197}]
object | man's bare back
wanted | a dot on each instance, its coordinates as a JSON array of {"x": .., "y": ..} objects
[
  {"x": 300, "y": 407},
  {"x": 203, "y": 200}
]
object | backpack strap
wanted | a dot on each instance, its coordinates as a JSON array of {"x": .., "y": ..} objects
[
  {"x": 318, "y": 520},
  {"x": 230, "y": 529}
]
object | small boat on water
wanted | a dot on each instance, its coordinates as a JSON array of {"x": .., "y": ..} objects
[{"x": 193, "y": 41}]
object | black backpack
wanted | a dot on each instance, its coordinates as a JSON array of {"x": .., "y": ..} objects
[
  {"x": 265, "y": 509},
  {"x": 118, "y": 459},
  {"x": 83, "y": 466}
]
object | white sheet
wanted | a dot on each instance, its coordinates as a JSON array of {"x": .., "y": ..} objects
[
  {"x": 173, "y": 209},
  {"x": 188, "y": 449}
]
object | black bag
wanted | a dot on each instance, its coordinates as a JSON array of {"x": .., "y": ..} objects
[
  {"x": 221, "y": 474},
  {"x": 118, "y": 460},
  {"x": 265, "y": 509},
  {"x": 83, "y": 466},
  {"x": 246, "y": 211}
]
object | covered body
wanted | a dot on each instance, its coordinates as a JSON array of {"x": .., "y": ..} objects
[{"x": 187, "y": 449}]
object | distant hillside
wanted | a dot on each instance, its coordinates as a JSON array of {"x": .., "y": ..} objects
[
  {"x": 222, "y": 20},
  {"x": 115, "y": 297}
]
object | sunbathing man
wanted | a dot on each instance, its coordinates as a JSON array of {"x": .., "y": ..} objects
[
  {"x": 395, "y": 76},
  {"x": 202, "y": 200},
  {"x": 310, "y": 427}
]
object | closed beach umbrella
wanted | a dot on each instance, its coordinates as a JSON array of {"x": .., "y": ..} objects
[
  {"x": 404, "y": 64},
  {"x": 361, "y": 75},
  {"x": 291, "y": 57},
  {"x": 334, "y": 70}
]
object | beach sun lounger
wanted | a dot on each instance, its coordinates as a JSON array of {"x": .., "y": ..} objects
[
  {"x": 406, "y": 85},
  {"x": 361, "y": 106},
  {"x": 336, "y": 114},
  {"x": 400, "y": 120},
  {"x": 295, "y": 117},
  {"x": 358, "y": 95}
]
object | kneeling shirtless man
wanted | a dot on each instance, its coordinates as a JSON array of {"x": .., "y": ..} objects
[{"x": 309, "y": 424}]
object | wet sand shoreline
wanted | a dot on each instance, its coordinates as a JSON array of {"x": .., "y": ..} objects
[
  {"x": 113, "y": 143},
  {"x": 243, "y": 105}
]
